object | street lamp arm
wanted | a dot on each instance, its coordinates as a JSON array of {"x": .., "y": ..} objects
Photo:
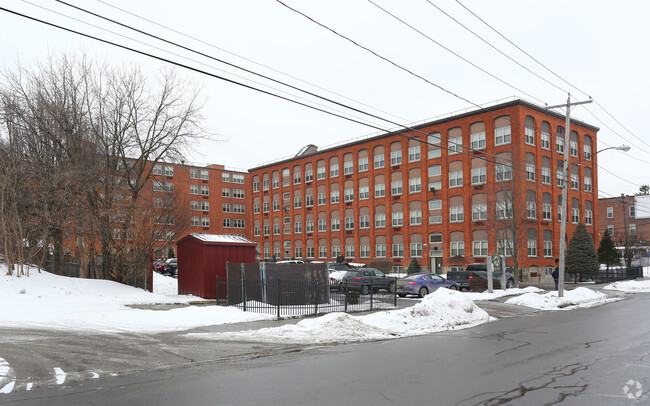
[{"x": 623, "y": 148}]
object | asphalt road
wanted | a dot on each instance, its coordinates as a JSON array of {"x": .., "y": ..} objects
[{"x": 578, "y": 357}]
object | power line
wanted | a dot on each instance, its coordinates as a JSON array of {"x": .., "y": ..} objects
[
  {"x": 493, "y": 47},
  {"x": 519, "y": 48},
  {"x": 452, "y": 52}
]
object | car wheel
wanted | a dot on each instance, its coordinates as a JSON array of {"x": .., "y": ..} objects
[
  {"x": 401, "y": 294},
  {"x": 453, "y": 287},
  {"x": 510, "y": 284},
  {"x": 423, "y": 292},
  {"x": 365, "y": 289},
  {"x": 391, "y": 288}
]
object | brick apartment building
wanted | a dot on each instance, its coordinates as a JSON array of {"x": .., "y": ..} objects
[
  {"x": 626, "y": 217},
  {"x": 424, "y": 193},
  {"x": 217, "y": 199}
]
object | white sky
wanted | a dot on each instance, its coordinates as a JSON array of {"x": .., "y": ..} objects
[{"x": 598, "y": 46}]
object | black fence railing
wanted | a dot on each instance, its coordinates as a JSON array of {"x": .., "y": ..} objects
[
  {"x": 289, "y": 297},
  {"x": 618, "y": 274}
]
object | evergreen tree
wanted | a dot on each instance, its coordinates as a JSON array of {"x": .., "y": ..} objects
[
  {"x": 607, "y": 253},
  {"x": 340, "y": 258},
  {"x": 581, "y": 257},
  {"x": 273, "y": 258},
  {"x": 414, "y": 267},
  {"x": 170, "y": 252}
]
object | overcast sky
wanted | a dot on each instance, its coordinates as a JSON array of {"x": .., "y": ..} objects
[{"x": 600, "y": 47}]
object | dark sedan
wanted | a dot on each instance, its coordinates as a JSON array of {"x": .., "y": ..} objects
[
  {"x": 365, "y": 279},
  {"x": 422, "y": 284}
]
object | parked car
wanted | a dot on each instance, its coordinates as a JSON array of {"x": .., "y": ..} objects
[
  {"x": 171, "y": 266},
  {"x": 462, "y": 278},
  {"x": 337, "y": 266},
  {"x": 336, "y": 279},
  {"x": 364, "y": 279},
  {"x": 422, "y": 284},
  {"x": 159, "y": 265}
]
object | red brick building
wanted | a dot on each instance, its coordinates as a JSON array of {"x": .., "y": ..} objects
[
  {"x": 626, "y": 217},
  {"x": 427, "y": 193}
]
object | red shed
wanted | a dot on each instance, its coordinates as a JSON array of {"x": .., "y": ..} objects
[{"x": 203, "y": 257}]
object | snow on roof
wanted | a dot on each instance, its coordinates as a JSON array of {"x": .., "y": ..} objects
[{"x": 221, "y": 238}]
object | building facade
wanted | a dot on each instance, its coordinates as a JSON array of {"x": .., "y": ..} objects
[
  {"x": 627, "y": 218},
  {"x": 435, "y": 192}
]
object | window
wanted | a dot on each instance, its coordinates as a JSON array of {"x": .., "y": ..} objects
[
  {"x": 297, "y": 202},
  {"x": 380, "y": 220},
  {"x": 546, "y": 176},
  {"x": 434, "y": 150},
  {"x": 297, "y": 177},
  {"x": 610, "y": 212},
  {"x": 457, "y": 248},
  {"x": 531, "y": 210},
  {"x": 575, "y": 215},
  {"x": 504, "y": 247},
  {"x": 632, "y": 229},
  {"x": 364, "y": 221},
  {"x": 396, "y": 187},
  {"x": 348, "y": 167},
  {"x": 610, "y": 229},
  {"x": 380, "y": 190},
  {"x": 379, "y": 161},
  {"x": 546, "y": 211},
  {"x": 265, "y": 183},
  {"x": 502, "y": 130},
  {"x": 309, "y": 200},
  {"x": 479, "y": 212},
  {"x": 398, "y": 249},
  {"x": 334, "y": 196},
  {"x": 632, "y": 211},
  {"x": 398, "y": 219},
  {"x": 530, "y": 172},
  {"x": 276, "y": 203},
  {"x": 479, "y": 175},
  {"x": 396, "y": 157},
  {"x": 416, "y": 249},
  {"x": 309, "y": 226},
  {"x": 364, "y": 251},
  {"x": 435, "y": 211},
  {"x": 532, "y": 248},
  {"x": 320, "y": 173},
  {"x": 334, "y": 170},
  {"x": 529, "y": 130},
  {"x": 157, "y": 170},
  {"x": 309, "y": 176},
  {"x": 589, "y": 217},
  {"x": 480, "y": 248},
  {"x": 349, "y": 250},
  {"x": 504, "y": 210},
  {"x": 415, "y": 217},
  {"x": 559, "y": 140},
  {"x": 363, "y": 163},
  {"x": 322, "y": 199},
  {"x": 322, "y": 225},
  {"x": 256, "y": 186},
  {"x": 380, "y": 250},
  {"x": 297, "y": 227},
  {"x": 455, "y": 145},
  {"x": 267, "y": 230},
  {"x": 349, "y": 223},
  {"x": 322, "y": 251},
  {"x": 456, "y": 214},
  {"x": 503, "y": 172},
  {"x": 276, "y": 181},
  {"x": 587, "y": 152},
  {"x": 349, "y": 194},
  {"x": 364, "y": 192},
  {"x": 548, "y": 248},
  {"x": 456, "y": 178},
  {"x": 310, "y": 252},
  {"x": 477, "y": 135},
  {"x": 414, "y": 153},
  {"x": 265, "y": 206},
  {"x": 336, "y": 224},
  {"x": 415, "y": 185},
  {"x": 546, "y": 135},
  {"x": 194, "y": 189}
]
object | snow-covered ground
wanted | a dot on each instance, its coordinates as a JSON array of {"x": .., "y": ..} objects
[
  {"x": 572, "y": 299},
  {"x": 44, "y": 300},
  {"x": 630, "y": 286}
]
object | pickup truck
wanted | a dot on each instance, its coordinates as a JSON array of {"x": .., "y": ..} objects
[{"x": 462, "y": 278}]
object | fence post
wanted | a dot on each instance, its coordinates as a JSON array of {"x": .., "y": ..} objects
[
  {"x": 372, "y": 278},
  {"x": 217, "y": 277},
  {"x": 395, "y": 291},
  {"x": 316, "y": 298},
  {"x": 243, "y": 286},
  {"x": 345, "y": 296},
  {"x": 277, "y": 292}
]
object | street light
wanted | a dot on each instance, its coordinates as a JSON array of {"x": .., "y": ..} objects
[{"x": 563, "y": 211}]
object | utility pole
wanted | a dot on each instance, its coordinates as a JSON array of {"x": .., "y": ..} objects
[
  {"x": 627, "y": 246},
  {"x": 565, "y": 170}
]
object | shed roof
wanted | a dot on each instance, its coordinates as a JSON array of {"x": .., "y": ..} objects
[{"x": 219, "y": 239}]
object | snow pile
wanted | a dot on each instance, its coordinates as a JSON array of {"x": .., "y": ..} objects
[
  {"x": 578, "y": 297},
  {"x": 630, "y": 286},
  {"x": 442, "y": 310},
  {"x": 45, "y": 300},
  {"x": 497, "y": 293}
]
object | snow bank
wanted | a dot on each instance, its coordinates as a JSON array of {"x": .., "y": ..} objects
[
  {"x": 442, "y": 310},
  {"x": 497, "y": 293},
  {"x": 630, "y": 286},
  {"x": 579, "y": 297},
  {"x": 45, "y": 300}
]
